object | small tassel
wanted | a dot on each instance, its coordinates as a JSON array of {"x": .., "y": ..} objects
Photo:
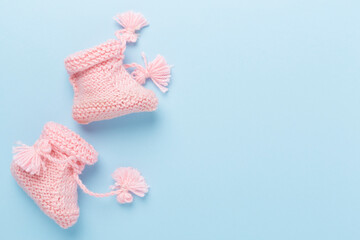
[
  {"x": 131, "y": 22},
  {"x": 129, "y": 180},
  {"x": 29, "y": 158},
  {"x": 158, "y": 71}
]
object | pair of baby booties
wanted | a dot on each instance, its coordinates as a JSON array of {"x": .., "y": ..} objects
[{"x": 103, "y": 89}]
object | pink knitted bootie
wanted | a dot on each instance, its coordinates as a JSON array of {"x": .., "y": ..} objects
[
  {"x": 49, "y": 172},
  {"x": 103, "y": 89}
]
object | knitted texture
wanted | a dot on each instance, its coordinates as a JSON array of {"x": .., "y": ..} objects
[
  {"x": 54, "y": 188},
  {"x": 103, "y": 89},
  {"x": 49, "y": 172}
]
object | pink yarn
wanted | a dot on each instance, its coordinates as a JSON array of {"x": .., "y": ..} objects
[
  {"x": 158, "y": 71},
  {"x": 129, "y": 180},
  {"x": 49, "y": 172},
  {"x": 131, "y": 22},
  {"x": 103, "y": 89},
  {"x": 30, "y": 158}
]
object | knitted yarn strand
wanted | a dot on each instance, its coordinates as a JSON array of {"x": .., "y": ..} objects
[{"x": 128, "y": 180}]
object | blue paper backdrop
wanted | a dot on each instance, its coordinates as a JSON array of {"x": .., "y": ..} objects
[{"x": 258, "y": 137}]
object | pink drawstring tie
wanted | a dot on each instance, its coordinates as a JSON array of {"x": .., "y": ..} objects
[
  {"x": 158, "y": 71},
  {"x": 32, "y": 159},
  {"x": 131, "y": 22},
  {"x": 128, "y": 180}
]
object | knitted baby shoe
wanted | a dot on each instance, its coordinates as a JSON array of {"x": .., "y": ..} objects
[
  {"x": 49, "y": 172},
  {"x": 103, "y": 89}
]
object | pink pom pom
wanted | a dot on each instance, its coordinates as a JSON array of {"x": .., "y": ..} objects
[
  {"x": 129, "y": 180},
  {"x": 30, "y": 158},
  {"x": 131, "y": 22},
  {"x": 158, "y": 71}
]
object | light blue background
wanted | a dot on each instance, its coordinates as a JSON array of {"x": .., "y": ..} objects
[{"x": 258, "y": 137}]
